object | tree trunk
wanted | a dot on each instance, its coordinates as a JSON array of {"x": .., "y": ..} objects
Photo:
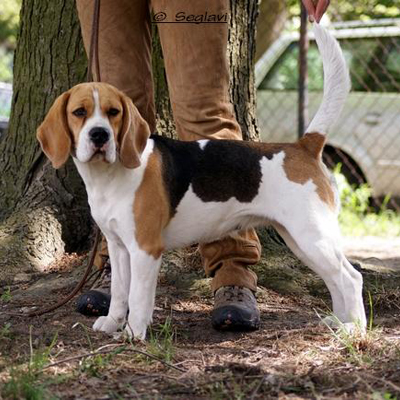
[
  {"x": 44, "y": 212},
  {"x": 241, "y": 52},
  {"x": 164, "y": 120}
]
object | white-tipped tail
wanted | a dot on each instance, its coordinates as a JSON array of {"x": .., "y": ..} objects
[{"x": 336, "y": 81}]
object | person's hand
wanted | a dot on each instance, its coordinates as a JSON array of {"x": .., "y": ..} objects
[{"x": 316, "y": 9}]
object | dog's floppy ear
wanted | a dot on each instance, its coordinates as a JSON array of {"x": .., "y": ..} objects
[
  {"x": 133, "y": 135},
  {"x": 53, "y": 134}
]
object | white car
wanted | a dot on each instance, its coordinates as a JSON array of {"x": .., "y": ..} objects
[
  {"x": 5, "y": 105},
  {"x": 366, "y": 137}
]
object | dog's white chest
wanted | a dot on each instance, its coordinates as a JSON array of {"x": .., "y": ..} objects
[{"x": 111, "y": 194}]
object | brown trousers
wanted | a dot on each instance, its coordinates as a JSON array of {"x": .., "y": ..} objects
[{"x": 198, "y": 82}]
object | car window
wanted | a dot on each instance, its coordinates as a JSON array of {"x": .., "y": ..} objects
[
  {"x": 374, "y": 63},
  {"x": 374, "y": 66},
  {"x": 284, "y": 75},
  {"x": 388, "y": 59},
  {"x": 5, "y": 100}
]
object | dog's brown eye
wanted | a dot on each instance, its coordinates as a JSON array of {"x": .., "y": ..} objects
[
  {"x": 112, "y": 112},
  {"x": 79, "y": 112}
]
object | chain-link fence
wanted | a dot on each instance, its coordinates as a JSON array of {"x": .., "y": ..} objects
[{"x": 366, "y": 137}]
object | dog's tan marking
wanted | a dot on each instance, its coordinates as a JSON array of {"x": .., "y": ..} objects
[
  {"x": 151, "y": 208},
  {"x": 82, "y": 96},
  {"x": 53, "y": 134},
  {"x": 313, "y": 143},
  {"x": 303, "y": 162}
]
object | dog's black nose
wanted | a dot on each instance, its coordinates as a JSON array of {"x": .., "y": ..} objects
[{"x": 99, "y": 136}]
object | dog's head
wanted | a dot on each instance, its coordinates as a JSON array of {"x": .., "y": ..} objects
[{"x": 95, "y": 122}]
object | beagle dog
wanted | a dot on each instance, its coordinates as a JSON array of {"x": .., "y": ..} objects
[{"x": 149, "y": 193}]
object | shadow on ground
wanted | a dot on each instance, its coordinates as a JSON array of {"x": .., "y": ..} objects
[{"x": 57, "y": 355}]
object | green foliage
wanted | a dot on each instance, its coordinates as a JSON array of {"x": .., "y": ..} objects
[
  {"x": 365, "y": 9},
  {"x": 346, "y": 10},
  {"x": 9, "y": 21},
  {"x": 354, "y": 199},
  {"x": 6, "y": 63},
  {"x": 358, "y": 218}
]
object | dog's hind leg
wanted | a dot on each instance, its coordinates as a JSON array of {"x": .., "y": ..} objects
[{"x": 320, "y": 249}]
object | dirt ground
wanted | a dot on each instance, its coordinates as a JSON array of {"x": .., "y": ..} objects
[{"x": 57, "y": 355}]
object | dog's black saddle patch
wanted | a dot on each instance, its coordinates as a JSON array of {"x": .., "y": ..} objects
[{"x": 223, "y": 169}]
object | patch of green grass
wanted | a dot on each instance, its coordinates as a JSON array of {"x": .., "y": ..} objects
[
  {"x": 232, "y": 386},
  {"x": 359, "y": 348},
  {"x": 26, "y": 380},
  {"x": 95, "y": 364},
  {"x": 162, "y": 341},
  {"x": 358, "y": 218},
  {"x": 383, "y": 396},
  {"x": 5, "y": 332},
  {"x": 6, "y": 295}
]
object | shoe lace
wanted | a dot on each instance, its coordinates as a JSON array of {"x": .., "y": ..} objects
[{"x": 234, "y": 292}]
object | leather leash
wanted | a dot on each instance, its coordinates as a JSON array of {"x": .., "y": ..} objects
[
  {"x": 77, "y": 288},
  {"x": 94, "y": 45},
  {"x": 93, "y": 56}
]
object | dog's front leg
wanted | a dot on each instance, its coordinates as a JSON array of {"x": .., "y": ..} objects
[
  {"x": 120, "y": 280},
  {"x": 144, "y": 273}
]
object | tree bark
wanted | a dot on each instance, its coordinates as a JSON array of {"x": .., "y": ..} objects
[
  {"x": 44, "y": 212},
  {"x": 164, "y": 119},
  {"x": 241, "y": 52}
]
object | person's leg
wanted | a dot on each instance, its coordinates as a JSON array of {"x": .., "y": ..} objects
[
  {"x": 124, "y": 48},
  {"x": 125, "y": 62},
  {"x": 197, "y": 70},
  {"x": 198, "y": 81}
]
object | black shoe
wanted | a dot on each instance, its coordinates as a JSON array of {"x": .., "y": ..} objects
[
  {"x": 93, "y": 303},
  {"x": 96, "y": 302},
  {"x": 235, "y": 309}
]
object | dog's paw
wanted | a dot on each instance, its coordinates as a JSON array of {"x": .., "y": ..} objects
[
  {"x": 331, "y": 321},
  {"x": 350, "y": 328},
  {"x": 106, "y": 324},
  {"x": 138, "y": 331}
]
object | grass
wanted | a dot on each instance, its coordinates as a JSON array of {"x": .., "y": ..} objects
[
  {"x": 289, "y": 357},
  {"x": 383, "y": 396},
  {"x": 5, "y": 332},
  {"x": 26, "y": 380},
  {"x": 6, "y": 295},
  {"x": 357, "y": 216},
  {"x": 93, "y": 366},
  {"x": 293, "y": 361},
  {"x": 161, "y": 341}
]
